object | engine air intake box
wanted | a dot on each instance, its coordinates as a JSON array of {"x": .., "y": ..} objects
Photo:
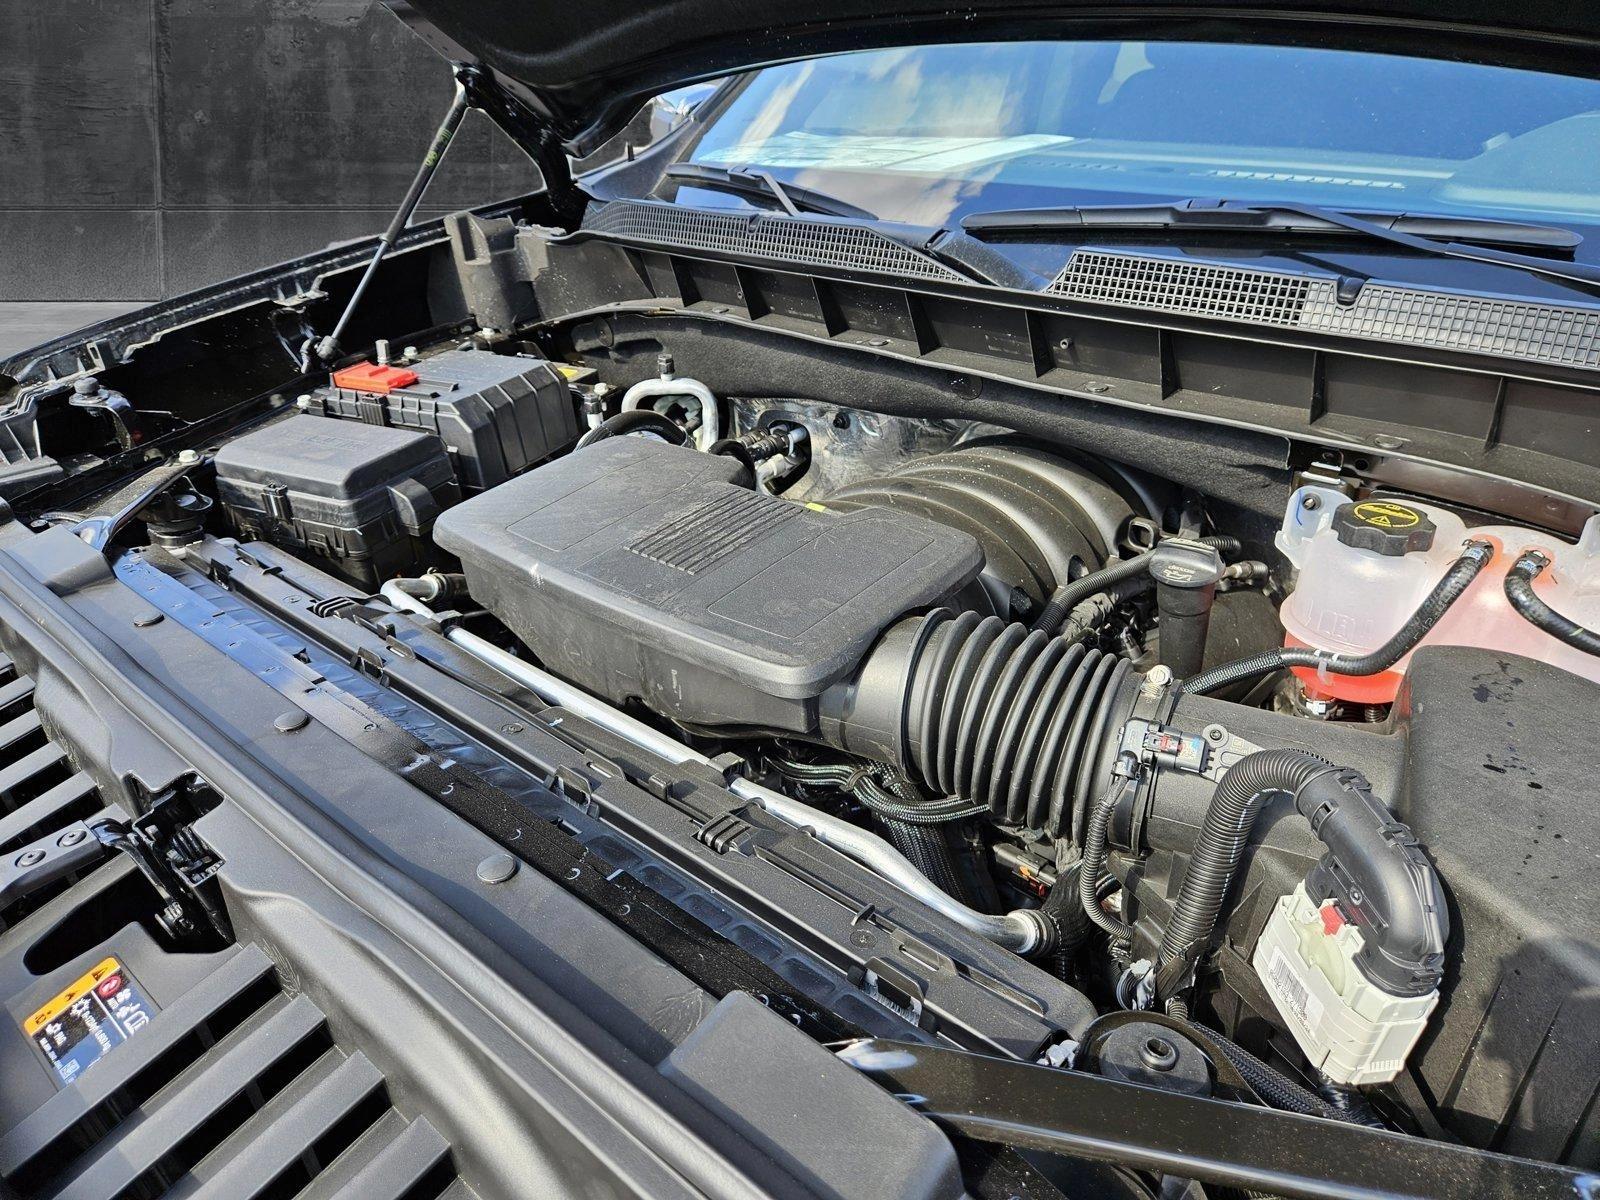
[{"x": 639, "y": 569}]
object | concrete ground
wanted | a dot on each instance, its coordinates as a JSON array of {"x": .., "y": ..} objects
[{"x": 23, "y": 325}]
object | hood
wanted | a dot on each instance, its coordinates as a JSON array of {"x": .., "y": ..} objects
[{"x": 584, "y": 68}]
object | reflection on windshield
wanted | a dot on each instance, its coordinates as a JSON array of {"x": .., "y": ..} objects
[{"x": 928, "y": 134}]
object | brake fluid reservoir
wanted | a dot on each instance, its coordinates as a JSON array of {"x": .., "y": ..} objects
[{"x": 1365, "y": 566}]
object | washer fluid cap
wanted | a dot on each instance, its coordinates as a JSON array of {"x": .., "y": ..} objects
[{"x": 1386, "y": 527}]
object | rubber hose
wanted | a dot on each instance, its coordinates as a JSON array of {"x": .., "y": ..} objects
[
  {"x": 1068, "y": 596},
  {"x": 1520, "y": 594},
  {"x": 1094, "y": 858},
  {"x": 1274, "y": 1087},
  {"x": 1223, "y": 836},
  {"x": 1011, "y": 719},
  {"x": 1444, "y": 594},
  {"x": 929, "y": 852},
  {"x": 637, "y": 420},
  {"x": 1349, "y": 1101},
  {"x": 1063, "y": 905}
]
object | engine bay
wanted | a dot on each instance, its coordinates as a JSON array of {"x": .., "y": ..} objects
[{"x": 1274, "y": 792}]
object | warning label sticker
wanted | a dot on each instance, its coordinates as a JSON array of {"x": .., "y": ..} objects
[
  {"x": 1387, "y": 515},
  {"x": 99, "y": 1011}
]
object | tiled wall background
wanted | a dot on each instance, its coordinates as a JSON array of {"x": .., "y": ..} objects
[{"x": 148, "y": 147}]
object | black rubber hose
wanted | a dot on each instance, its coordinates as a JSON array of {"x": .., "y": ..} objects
[
  {"x": 1068, "y": 596},
  {"x": 1010, "y": 719},
  {"x": 1348, "y": 1100},
  {"x": 1276, "y": 1088},
  {"x": 1223, "y": 836},
  {"x": 638, "y": 420},
  {"x": 1474, "y": 557},
  {"x": 1520, "y": 594},
  {"x": 930, "y": 852},
  {"x": 1063, "y": 905}
]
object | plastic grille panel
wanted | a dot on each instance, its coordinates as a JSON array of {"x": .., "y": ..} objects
[
  {"x": 1546, "y": 333},
  {"x": 1194, "y": 289},
  {"x": 806, "y": 241}
]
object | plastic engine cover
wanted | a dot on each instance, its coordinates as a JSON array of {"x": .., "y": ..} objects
[{"x": 639, "y": 569}]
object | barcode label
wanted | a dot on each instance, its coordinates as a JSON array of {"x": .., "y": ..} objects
[{"x": 1290, "y": 992}]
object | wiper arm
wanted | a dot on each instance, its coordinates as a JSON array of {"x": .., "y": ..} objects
[
  {"x": 1439, "y": 236},
  {"x": 790, "y": 197}
]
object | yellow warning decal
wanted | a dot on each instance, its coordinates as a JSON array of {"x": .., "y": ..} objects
[
  {"x": 78, "y": 989},
  {"x": 1387, "y": 515}
]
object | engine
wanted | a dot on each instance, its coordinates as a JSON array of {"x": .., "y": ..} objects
[{"x": 1269, "y": 786}]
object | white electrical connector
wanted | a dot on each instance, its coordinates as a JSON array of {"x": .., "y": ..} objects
[{"x": 1349, "y": 1028}]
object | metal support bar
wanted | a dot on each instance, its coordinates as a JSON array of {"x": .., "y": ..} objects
[{"x": 1254, "y": 1149}]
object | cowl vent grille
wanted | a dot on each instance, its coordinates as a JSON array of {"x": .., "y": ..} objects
[
  {"x": 804, "y": 241},
  {"x": 1560, "y": 335}
]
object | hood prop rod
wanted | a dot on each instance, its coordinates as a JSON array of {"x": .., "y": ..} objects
[{"x": 327, "y": 349}]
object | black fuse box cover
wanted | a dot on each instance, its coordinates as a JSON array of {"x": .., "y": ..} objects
[
  {"x": 496, "y": 414},
  {"x": 360, "y": 499},
  {"x": 636, "y": 568}
]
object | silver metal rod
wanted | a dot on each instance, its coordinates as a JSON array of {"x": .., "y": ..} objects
[{"x": 1023, "y": 930}]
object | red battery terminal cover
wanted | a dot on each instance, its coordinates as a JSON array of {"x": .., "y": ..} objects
[{"x": 373, "y": 377}]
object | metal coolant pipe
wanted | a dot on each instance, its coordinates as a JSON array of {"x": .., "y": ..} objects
[{"x": 1023, "y": 931}]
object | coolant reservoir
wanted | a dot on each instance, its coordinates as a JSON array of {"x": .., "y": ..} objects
[{"x": 1366, "y": 565}]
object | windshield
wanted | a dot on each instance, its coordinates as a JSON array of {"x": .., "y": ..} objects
[{"x": 929, "y": 134}]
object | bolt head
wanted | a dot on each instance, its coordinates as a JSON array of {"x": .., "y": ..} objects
[
  {"x": 188, "y": 456},
  {"x": 86, "y": 387}
]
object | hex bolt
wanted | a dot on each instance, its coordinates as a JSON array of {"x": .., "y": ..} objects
[{"x": 188, "y": 456}]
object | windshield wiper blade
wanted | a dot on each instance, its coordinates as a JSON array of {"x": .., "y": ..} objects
[
  {"x": 1229, "y": 216},
  {"x": 790, "y": 197},
  {"x": 1439, "y": 236}
]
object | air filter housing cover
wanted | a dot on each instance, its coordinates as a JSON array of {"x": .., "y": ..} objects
[{"x": 639, "y": 569}]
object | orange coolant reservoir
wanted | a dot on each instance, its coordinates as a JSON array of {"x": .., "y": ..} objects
[{"x": 1366, "y": 566}]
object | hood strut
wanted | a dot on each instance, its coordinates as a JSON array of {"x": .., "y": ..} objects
[{"x": 328, "y": 348}]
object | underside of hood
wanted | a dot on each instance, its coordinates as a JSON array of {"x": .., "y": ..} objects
[{"x": 583, "y": 68}]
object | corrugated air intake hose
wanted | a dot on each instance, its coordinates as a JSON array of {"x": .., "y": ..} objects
[{"x": 973, "y": 707}]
